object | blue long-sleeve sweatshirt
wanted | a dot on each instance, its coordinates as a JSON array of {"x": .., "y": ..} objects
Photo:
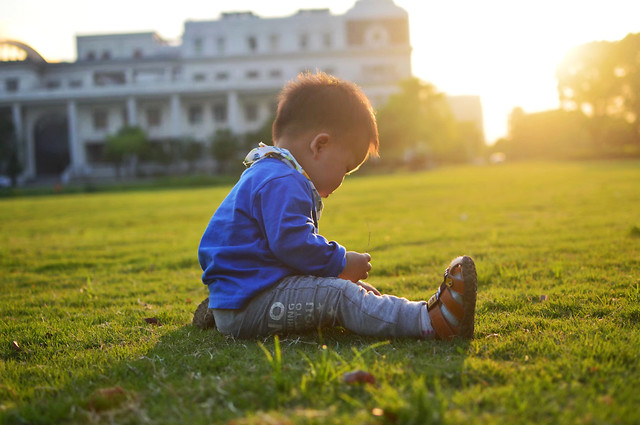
[{"x": 263, "y": 231}]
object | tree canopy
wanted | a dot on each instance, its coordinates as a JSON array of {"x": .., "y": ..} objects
[
  {"x": 127, "y": 144},
  {"x": 224, "y": 148},
  {"x": 127, "y": 141},
  {"x": 602, "y": 79},
  {"x": 417, "y": 124}
]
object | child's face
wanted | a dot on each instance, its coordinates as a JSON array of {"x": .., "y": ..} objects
[{"x": 334, "y": 161}]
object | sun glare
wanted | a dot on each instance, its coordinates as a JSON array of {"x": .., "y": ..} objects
[{"x": 505, "y": 52}]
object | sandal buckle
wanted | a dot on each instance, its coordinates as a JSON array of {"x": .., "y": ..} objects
[
  {"x": 447, "y": 278},
  {"x": 433, "y": 300}
]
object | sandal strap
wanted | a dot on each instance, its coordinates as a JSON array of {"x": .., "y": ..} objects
[
  {"x": 452, "y": 305},
  {"x": 453, "y": 279},
  {"x": 440, "y": 325}
]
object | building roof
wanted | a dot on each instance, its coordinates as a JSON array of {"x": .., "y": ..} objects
[
  {"x": 367, "y": 9},
  {"x": 31, "y": 54}
]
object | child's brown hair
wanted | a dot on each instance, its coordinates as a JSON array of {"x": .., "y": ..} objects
[{"x": 325, "y": 103}]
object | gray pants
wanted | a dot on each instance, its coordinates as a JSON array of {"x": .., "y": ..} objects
[{"x": 299, "y": 304}]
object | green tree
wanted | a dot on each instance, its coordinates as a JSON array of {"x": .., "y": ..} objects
[
  {"x": 263, "y": 134},
  {"x": 224, "y": 147},
  {"x": 417, "y": 123},
  {"x": 587, "y": 80},
  {"x": 469, "y": 141},
  {"x": 126, "y": 146},
  {"x": 602, "y": 79},
  {"x": 191, "y": 151},
  {"x": 629, "y": 72},
  {"x": 546, "y": 134}
]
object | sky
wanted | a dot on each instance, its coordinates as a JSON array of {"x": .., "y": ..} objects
[{"x": 504, "y": 51}]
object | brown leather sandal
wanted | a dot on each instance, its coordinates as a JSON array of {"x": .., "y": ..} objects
[{"x": 457, "y": 294}]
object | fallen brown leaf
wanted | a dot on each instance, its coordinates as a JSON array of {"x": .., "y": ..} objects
[
  {"x": 359, "y": 377},
  {"x": 106, "y": 398},
  {"x": 152, "y": 321}
]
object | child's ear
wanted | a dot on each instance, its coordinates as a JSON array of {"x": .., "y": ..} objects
[{"x": 319, "y": 143}]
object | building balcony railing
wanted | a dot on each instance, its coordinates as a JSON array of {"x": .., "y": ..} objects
[{"x": 147, "y": 88}]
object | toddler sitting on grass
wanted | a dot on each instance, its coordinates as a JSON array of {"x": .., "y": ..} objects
[{"x": 267, "y": 267}]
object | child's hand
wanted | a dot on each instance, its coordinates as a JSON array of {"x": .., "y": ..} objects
[
  {"x": 369, "y": 287},
  {"x": 357, "y": 267}
]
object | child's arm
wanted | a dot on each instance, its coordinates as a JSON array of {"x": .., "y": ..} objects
[{"x": 282, "y": 208}]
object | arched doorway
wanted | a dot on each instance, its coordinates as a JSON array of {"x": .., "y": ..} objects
[{"x": 51, "y": 136}]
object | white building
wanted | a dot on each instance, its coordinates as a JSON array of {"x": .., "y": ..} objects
[{"x": 223, "y": 74}]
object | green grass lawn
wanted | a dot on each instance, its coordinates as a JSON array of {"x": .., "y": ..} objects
[{"x": 80, "y": 273}]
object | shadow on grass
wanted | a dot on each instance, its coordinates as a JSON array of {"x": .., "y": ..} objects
[{"x": 196, "y": 376}]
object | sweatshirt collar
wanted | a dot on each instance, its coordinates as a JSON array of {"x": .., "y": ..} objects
[{"x": 264, "y": 151}]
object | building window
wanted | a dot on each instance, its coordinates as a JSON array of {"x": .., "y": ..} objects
[
  {"x": 109, "y": 78},
  {"x": 377, "y": 36},
  {"x": 91, "y": 55},
  {"x": 222, "y": 75},
  {"x": 379, "y": 72},
  {"x": 106, "y": 55},
  {"x": 100, "y": 119},
  {"x": 253, "y": 44},
  {"x": 176, "y": 73},
  {"x": 327, "y": 40},
  {"x": 303, "y": 41},
  {"x": 252, "y": 75},
  {"x": 275, "y": 73},
  {"x": 220, "y": 113},
  {"x": 149, "y": 75},
  {"x": 137, "y": 53},
  {"x": 197, "y": 46},
  {"x": 195, "y": 114},
  {"x": 52, "y": 84},
  {"x": 75, "y": 84},
  {"x": 153, "y": 117},
  {"x": 11, "y": 84},
  {"x": 220, "y": 44},
  {"x": 251, "y": 112},
  {"x": 199, "y": 77},
  {"x": 274, "y": 42}
]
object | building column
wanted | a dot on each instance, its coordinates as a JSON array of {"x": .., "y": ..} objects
[
  {"x": 132, "y": 112},
  {"x": 175, "y": 116},
  {"x": 128, "y": 76},
  {"x": 233, "y": 112},
  {"x": 25, "y": 151},
  {"x": 77, "y": 153},
  {"x": 29, "y": 143},
  {"x": 17, "y": 120}
]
